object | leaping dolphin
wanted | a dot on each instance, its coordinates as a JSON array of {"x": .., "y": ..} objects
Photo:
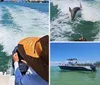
[{"x": 74, "y": 11}]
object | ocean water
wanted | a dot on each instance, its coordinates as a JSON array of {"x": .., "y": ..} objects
[
  {"x": 61, "y": 77},
  {"x": 88, "y": 25},
  {"x": 17, "y": 21}
]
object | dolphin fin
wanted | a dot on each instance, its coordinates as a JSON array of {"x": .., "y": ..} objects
[
  {"x": 70, "y": 9},
  {"x": 80, "y": 6},
  {"x": 70, "y": 12}
]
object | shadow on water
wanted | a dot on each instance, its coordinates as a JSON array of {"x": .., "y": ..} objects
[
  {"x": 89, "y": 74},
  {"x": 64, "y": 71}
]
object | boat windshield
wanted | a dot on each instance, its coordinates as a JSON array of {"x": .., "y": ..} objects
[{"x": 70, "y": 62}]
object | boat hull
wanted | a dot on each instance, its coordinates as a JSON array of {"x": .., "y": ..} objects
[{"x": 75, "y": 68}]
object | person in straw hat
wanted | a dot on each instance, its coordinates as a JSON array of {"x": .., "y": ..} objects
[{"x": 35, "y": 52}]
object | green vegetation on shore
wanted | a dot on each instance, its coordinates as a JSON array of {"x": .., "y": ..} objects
[{"x": 97, "y": 63}]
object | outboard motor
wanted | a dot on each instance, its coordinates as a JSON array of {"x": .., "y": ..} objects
[
  {"x": 93, "y": 67},
  {"x": 22, "y": 66}
]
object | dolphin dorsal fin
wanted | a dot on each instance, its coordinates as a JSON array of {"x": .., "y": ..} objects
[
  {"x": 70, "y": 9},
  {"x": 80, "y": 6}
]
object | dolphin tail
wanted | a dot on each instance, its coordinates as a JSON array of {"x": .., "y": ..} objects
[{"x": 70, "y": 9}]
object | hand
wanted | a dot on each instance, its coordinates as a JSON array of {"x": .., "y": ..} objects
[{"x": 15, "y": 57}]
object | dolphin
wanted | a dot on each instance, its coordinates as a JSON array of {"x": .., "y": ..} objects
[{"x": 74, "y": 11}]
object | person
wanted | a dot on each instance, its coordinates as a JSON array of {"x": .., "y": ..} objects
[
  {"x": 81, "y": 39},
  {"x": 35, "y": 52},
  {"x": 23, "y": 67}
]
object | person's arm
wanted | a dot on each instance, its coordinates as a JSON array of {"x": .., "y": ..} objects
[
  {"x": 28, "y": 79},
  {"x": 18, "y": 74}
]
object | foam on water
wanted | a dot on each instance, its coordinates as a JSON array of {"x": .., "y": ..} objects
[
  {"x": 25, "y": 22},
  {"x": 60, "y": 24},
  {"x": 58, "y": 27}
]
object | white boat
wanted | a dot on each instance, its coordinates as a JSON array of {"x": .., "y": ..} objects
[{"x": 76, "y": 67}]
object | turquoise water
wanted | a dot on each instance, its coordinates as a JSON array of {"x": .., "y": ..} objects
[
  {"x": 88, "y": 25},
  {"x": 43, "y": 7},
  {"x": 59, "y": 77},
  {"x": 17, "y": 21}
]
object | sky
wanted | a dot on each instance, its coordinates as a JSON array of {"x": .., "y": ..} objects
[{"x": 84, "y": 52}]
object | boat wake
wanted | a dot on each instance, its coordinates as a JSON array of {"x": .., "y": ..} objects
[{"x": 17, "y": 22}]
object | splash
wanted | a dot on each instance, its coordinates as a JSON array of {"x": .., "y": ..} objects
[{"x": 62, "y": 28}]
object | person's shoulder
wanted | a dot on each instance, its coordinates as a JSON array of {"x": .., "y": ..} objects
[{"x": 33, "y": 79}]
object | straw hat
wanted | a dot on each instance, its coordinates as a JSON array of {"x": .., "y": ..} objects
[{"x": 36, "y": 52}]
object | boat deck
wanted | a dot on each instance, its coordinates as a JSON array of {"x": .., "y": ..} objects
[{"x": 7, "y": 79}]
